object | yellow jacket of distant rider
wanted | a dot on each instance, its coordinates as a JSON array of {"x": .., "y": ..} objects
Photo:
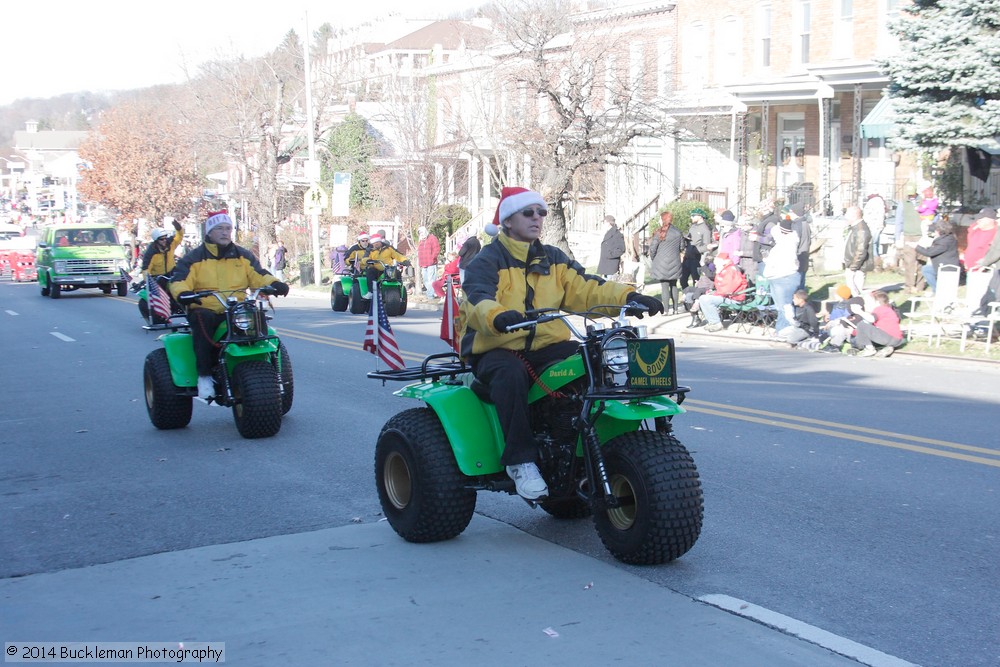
[
  {"x": 157, "y": 263},
  {"x": 513, "y": 275},
  {"x": 386, "y": 254},
  {"x": 231, "y": 270}
]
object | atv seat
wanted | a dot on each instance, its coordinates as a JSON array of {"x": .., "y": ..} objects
[{"x": 481, "y": 390}]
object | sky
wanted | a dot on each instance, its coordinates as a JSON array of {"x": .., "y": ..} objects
[{"x": 65, "y": 46}]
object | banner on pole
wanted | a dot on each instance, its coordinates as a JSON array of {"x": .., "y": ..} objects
[{"x": 340, "y": 202}]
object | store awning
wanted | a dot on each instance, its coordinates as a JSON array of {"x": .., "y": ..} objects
[{"x": 879, "y": 121}]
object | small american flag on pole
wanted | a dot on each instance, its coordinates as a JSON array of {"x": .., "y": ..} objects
[
  {"x": 159, "y": 302},
  {"x": 379, "y": 339},
  {"x": 449, "y": 318}
]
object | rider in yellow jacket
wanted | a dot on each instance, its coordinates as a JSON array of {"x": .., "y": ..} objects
[
  {"x": 221, "y": 266},
  {"x": 382, "y": 254},
  {"x": 513, "y": 274},
  {"x": 159, "y": 258}
]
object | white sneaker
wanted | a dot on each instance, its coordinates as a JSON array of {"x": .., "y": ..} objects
[
  {"x": 528, "y": 481},
  {"x": 206, "y": 387}
]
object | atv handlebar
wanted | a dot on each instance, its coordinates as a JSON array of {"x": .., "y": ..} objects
[
  {"x": 196, "y": 297},
  {"x": 543, "y": 315}
]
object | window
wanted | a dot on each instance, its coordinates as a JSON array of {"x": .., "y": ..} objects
[
  {"x": 764, "y": 35},
  {"x": 695, "y": 62},
  {"x": 887, "y": 41},
  {"x": 635, "y": 67},
  {"x": 843, "y": 32},
  {"x": 664, "y": 67},
  {"x": 728, "y": 61},
  {"x": 803, "y": 19}
]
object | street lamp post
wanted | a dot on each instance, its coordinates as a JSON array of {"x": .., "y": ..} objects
[{"x": 312, "y": 171}]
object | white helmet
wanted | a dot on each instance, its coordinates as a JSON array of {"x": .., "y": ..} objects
[{"x": 160, "y": 234}]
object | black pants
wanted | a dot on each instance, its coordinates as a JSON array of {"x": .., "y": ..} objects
[
  {"x": 203, "y": 323},
  {"x": 690, "y": 266},
  {"x": 508, "y": 379}
]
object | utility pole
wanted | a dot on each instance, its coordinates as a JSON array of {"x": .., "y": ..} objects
[{"x": 312, "y": 168}]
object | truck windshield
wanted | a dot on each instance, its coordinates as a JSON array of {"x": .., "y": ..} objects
[{"x": 86, "y": 237}]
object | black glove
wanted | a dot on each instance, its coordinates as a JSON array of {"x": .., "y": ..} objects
[
  {"x": 508, "y": 318},
  {"x": 188, "y": 298},
  {"x": 280, "y": 288},
  {"x": 654, "y": 306},
  {"x": 176, "y": 225}
]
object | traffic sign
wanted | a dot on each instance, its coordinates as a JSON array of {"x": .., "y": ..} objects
[{"x": 316, "y": 200}]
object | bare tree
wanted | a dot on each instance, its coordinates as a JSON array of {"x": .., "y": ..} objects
[
  {"x": 576, "y": 98},
  {"x": 243, "y": 107}
]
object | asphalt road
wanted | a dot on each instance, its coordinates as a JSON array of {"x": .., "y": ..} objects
[{"x": 856, "y": 495}]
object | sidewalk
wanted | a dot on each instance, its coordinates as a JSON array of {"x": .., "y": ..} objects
[{"x": 360, "y": 595}]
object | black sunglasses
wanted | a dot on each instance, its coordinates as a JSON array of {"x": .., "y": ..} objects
[{"x": 529, "y": 212}]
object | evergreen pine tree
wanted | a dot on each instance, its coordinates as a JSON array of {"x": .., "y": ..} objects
[{"x": 945, "y": 79}]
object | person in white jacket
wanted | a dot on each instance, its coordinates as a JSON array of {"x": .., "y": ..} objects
[{"x": 781, "y": 268}]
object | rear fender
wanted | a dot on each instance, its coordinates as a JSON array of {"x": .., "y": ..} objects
[{"x": 472, "y": 426}]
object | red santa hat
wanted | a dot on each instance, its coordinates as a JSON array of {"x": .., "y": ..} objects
[
  {"x": 376, "y": 238},
  {"x": 513, "y": 200}
]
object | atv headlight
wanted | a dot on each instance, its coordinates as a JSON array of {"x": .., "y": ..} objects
[
  {"x": 615, "y": 351},
  {"x": 245, "y": 322}
]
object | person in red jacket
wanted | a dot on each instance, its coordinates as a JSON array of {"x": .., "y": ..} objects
[
  {"x": 450, "y": 269},
  {"x": 730, "y": 285},
  {"x": 428, "y": 249}
]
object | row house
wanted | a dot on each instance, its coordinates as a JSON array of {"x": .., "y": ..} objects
[
  {"x": 769, "y": 99},
  {"x": 807, "y": 73}
]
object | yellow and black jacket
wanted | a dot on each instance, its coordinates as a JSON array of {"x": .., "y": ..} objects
[
  {"x": 513, "y": 275},
  {"x": 156, "y": 263},
  {"x": 356, "y": 256},
  {"x": 386, "y": 254},
  {"x": 231, "y": 270}
]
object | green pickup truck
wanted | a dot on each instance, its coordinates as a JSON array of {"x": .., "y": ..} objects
[{"x": 72, "y": 256}]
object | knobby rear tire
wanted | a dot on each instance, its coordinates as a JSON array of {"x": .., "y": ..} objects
[
  {"x": 422, "y": 491},
  {"x": 166, "y": 407}
]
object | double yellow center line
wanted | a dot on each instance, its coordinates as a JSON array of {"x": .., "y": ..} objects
[
  {"x": 873, "y": 436},
  {"x": 912, "y": 443}
]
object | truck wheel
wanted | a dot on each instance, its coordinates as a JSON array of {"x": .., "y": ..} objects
[
  {"x": 167, "y": 408},
  {"x": 567, "y": 508},
  {"x": 106, "y": 289},
  {"x": 393, "y": 302},
  {"x": 287, "y": 379},
  {"x": 257, "y": 400},
  {"x": 123, "y": 288},
  {"x": 43, "y": 286},
  {"x": 356, "y": 303},
  {"x": 338, "y": 300},
  {"x": 422, "y": 491},
  {"x": 54, "y": 290},
  {"x": 657, "y": 485}
]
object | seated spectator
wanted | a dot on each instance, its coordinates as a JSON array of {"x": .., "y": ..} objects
[
  {"x": 692, "y": 293},
  {"x": 805, "y": 324},
  {"x": 878, "y": 333},
  {"x": 450, "y": 269},
  {"x": 730, "y": 285},
  {"x": 840, "y": 323}
]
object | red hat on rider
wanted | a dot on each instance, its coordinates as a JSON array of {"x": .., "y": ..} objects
[
  {"x": 513, "y": 200},
  {"x": 376, "y": 238}
]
